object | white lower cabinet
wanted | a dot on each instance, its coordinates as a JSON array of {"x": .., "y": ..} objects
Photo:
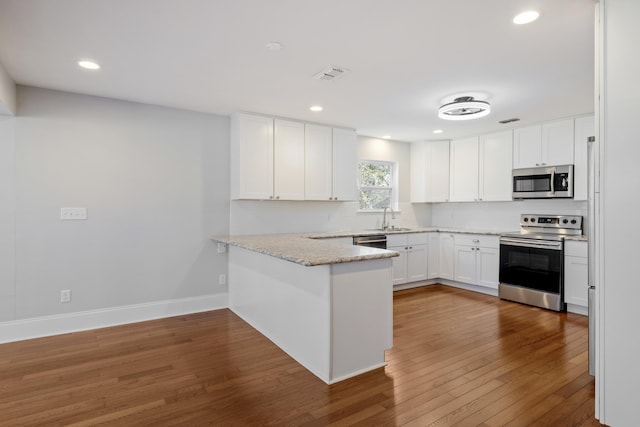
[
  {"x": 576, "y": 275},
  {"x": 413, "y": 263},
  {"x": 477, "y": 259},
  {"x": 446, "y": 256}
]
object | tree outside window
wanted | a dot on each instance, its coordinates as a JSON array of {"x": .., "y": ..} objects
[{"x": 376, "y": 182}]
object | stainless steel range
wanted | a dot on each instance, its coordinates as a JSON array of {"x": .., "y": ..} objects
[{"x": 532, "y": 261}]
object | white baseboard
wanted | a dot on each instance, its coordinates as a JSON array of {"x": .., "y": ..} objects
[
  {"x": 468, "y": 287},
  {"x": 18, "y": 330}
]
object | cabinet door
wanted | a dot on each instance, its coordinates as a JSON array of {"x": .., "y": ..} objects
[
  {"x": 438, "y": 171},
  {"x": 465, "y": 264},
  {"x": 576, "y": 271},
  {"x": 584, "y": 128},
  {"x": 527, "y": 147},
  {"x": 446, "y": 256},
  {"x": 399, "y": 265},
  {"x": 419, "y": 172},
  {"x": 557, "y": 143},
  {"x": 345, "y": 164},
  {"x": 288, "y": 160},
  {"x": 496, "y": 163},
  {"x": 318, "y": 162},
  {"x": 464, "y": 170},
  {"x": 251, "y": 157},
  {"x": 417, "y": 263},
  {"x": 487, "y": 267},
  {"x": 433, "y": 269}
]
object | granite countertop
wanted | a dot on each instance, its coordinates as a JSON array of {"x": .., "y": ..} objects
[
  {"x": 311, "y": 249},
  {"x": 302, "y": 249},
  {"x": 328, "y": 235}
]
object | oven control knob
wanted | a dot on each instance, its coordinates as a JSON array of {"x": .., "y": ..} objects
[
  {"x": 565, "y": 221},
  {"x": 573, "y": 221},
  {"x": 526, "y": 219},
  {"x": 533, "y": 220}
]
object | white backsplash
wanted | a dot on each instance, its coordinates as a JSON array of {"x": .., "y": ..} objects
[
  {"x": 501, "y": 216},
  {"x": 266, "y": 217}
]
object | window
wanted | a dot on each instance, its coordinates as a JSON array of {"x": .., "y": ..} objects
[{"x": 377, "y": 183}]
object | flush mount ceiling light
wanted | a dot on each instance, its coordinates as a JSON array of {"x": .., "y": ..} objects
[
  {"x": 438, "y": 131},
  {"x": 464, "y": 108},
  {"x": 386, "y": 137},
  {"x": 316, "y": 108},
  {"x": 526, "y": 17},
  {"x": 89, "y": 65}
]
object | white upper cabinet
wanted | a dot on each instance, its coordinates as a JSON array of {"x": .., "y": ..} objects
[
  {"x": 527, "y": 147},
  {"x": 278, "y": 159},
  {"x": 557, "y": 142},
  {"x": 318, "y": 162},
  {"x": 430, "y": 171},
  {"x": 481, "y": 168},
  {"x": 496, "y": 162},
  {"x": 584, "y": 128},
  {"x": 251, "y": 157},
  {"x": 543, "y": 145},
  {"x": 464, "y": 170},
  {"x": 345, "y": 164},
  {"x": 288, "y": 160}
]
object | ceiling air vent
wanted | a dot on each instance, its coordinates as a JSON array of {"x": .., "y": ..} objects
[
  {"x": 504, "y": 122},
  {"x": 330, "y": 73}
]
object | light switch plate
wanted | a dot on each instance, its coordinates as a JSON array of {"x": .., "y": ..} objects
[{"x": 73, "y": 213}]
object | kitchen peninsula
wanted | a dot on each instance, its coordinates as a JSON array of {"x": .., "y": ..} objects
[{"x": 327, "y": 305}]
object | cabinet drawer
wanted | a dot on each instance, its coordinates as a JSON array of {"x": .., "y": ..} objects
[
  {"x": 480, "y": 240},
  {"x": 396, "y": 240},
  {"x": 418, "y": 238},
  {"x": 574, "y": 248}
]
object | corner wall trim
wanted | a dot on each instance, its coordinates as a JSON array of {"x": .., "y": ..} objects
[{"x": 18, "y": 330}]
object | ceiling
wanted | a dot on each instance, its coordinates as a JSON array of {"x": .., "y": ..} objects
[{"x": 406, "y": 57}]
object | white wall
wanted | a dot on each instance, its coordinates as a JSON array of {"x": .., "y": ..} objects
[
  {"x": 7, "y": 220},
  {"x": 257, "y": 217},
  {"x": 620, "y": 191},
  {"x": 501, "y": 216},
  {"x": 7, "y": 93},
  {"x": 156, "y": 185}
]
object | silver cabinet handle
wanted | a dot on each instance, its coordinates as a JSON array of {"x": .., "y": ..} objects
[
  {"x": 277, "y": 197},
  {"x": 270, "y": 197}
]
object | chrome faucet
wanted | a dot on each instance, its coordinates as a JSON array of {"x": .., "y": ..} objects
[{"x": 384, "y": 217}]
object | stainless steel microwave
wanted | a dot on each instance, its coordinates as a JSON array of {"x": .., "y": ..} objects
[{"x": 548, "y": 182}]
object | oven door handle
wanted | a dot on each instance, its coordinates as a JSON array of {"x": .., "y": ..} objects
[{"x": 556, "y": 246}]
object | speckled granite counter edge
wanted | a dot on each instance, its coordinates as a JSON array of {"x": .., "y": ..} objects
[
  {"x": 310, "y": 249},
  {"x": 303, "y": 250}
]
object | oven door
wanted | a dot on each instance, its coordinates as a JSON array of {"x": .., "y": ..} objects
[{"x": 531, "y": 271}]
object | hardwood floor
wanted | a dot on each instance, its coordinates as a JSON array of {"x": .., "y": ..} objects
[{"x": 459, "y": 358}]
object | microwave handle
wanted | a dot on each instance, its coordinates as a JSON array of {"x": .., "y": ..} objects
[{"x": 553, "y": 182}]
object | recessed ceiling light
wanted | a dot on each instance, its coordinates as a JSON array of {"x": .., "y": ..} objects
[
  {"x": 89, "y": 65},
  {"x": 438, "y": 131},
  {"x": 274, "y": 46},
  {"x": 315, "y": 108},
  {"x": 386, "y": 137},
  {"x": 526, "y": 17}
]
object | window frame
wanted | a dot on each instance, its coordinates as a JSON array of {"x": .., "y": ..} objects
[{"x": 393, "y": 202}]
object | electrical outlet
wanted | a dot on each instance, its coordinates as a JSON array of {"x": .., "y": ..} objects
[
  {"x": 73, "y": 213},
  {"x": 222, "y": 279},
  {"x": 65, "y": 295},
  {"x": 222, "y": 247}
]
